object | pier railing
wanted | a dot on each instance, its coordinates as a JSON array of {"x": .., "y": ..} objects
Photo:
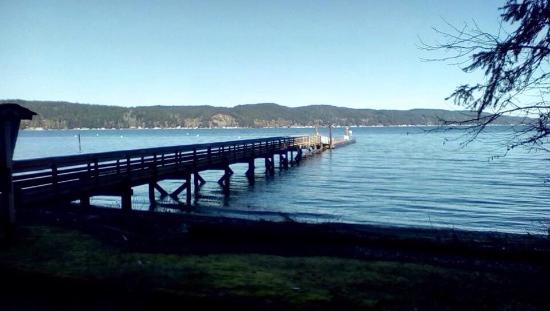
[{"x": 312, "y": 140}]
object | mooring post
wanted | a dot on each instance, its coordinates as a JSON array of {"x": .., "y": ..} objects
[
  {"x": 330, "y": 136},
  {"x": 10, "y": 120}
]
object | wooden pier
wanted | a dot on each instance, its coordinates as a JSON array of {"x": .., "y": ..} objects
[{"x": 78, "y": 177}]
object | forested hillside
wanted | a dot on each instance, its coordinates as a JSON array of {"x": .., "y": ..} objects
[{"x": 64, "y": 115}]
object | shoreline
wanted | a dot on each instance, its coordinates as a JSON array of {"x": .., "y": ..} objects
[
  {"x": 151, "y": 231},
  {"x": 255, "y": 128}
]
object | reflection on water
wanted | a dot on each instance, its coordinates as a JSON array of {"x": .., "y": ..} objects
[{"x": 392, "y": 176}]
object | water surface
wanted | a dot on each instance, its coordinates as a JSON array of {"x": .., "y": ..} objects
[{"x": 392, "y": 176}]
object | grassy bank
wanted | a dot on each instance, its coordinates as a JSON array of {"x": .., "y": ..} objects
[{"x": 57, "y": 261}]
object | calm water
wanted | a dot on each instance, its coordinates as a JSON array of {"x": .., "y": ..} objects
[{"x": 392, "y": 176}]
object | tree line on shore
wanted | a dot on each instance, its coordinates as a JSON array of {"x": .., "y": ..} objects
[{"x": 66, "y": 115}]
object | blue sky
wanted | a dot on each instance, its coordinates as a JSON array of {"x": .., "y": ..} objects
[{"x": 360, "y": 54}]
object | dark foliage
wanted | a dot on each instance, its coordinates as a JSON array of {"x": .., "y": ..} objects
[{"x": 514, "y": 64}]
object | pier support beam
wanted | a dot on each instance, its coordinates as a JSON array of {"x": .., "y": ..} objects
[
  {"x": 175, "y": 193},
  {"x": 250, "y": 172},
  {"x": 162, "y": 192},
  {"x": 299, "y": 155},
  {"x": 126, "y": 199},
  {"x": 198, "y": 182},
  {"x": 269, "y": 165},
  {"x": 283, "y": 160},
  {"x": 224, "y": 180},
  {"x": 152, "y": 200},
  {"x": 185, "y": 186},
  {"x": 152, "y": 187},
  {"x": 188, "y": 193}
]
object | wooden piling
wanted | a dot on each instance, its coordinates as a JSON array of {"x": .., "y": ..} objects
[
  {"x": 188, "y": 193},
  {"x": 126, "y": 200},
  {"x": 270, "y": 165},
  {"x": 152, "y": 199},
  {"x": 299, "y": 155},
  {"x": 224, "y": 181},
  {"x": 250, "y": 172}
]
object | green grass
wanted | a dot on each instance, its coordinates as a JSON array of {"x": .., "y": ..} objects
[{"x": 300, "y": 282}]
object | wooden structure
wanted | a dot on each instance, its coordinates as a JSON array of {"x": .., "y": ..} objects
[
  {"x": 78, "y": 177},
  {"x": 10, "y": 119}
]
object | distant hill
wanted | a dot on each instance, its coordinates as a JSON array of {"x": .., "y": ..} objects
[{"x": 65, "y": 115}]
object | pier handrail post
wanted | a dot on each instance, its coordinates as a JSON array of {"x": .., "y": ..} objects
[
  {"x": 153, "y": 165},
  {"x": 128, "y": 166},
  {"x": 10, "y": 120},
  {"x": 54, "y": 178},
  {"x": 194, "y": 160}
]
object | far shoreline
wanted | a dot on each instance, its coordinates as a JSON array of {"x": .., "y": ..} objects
[{"x": 254, "y": 128}]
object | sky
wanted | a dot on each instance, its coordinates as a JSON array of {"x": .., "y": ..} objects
[{"x": 359, "y": 54}]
